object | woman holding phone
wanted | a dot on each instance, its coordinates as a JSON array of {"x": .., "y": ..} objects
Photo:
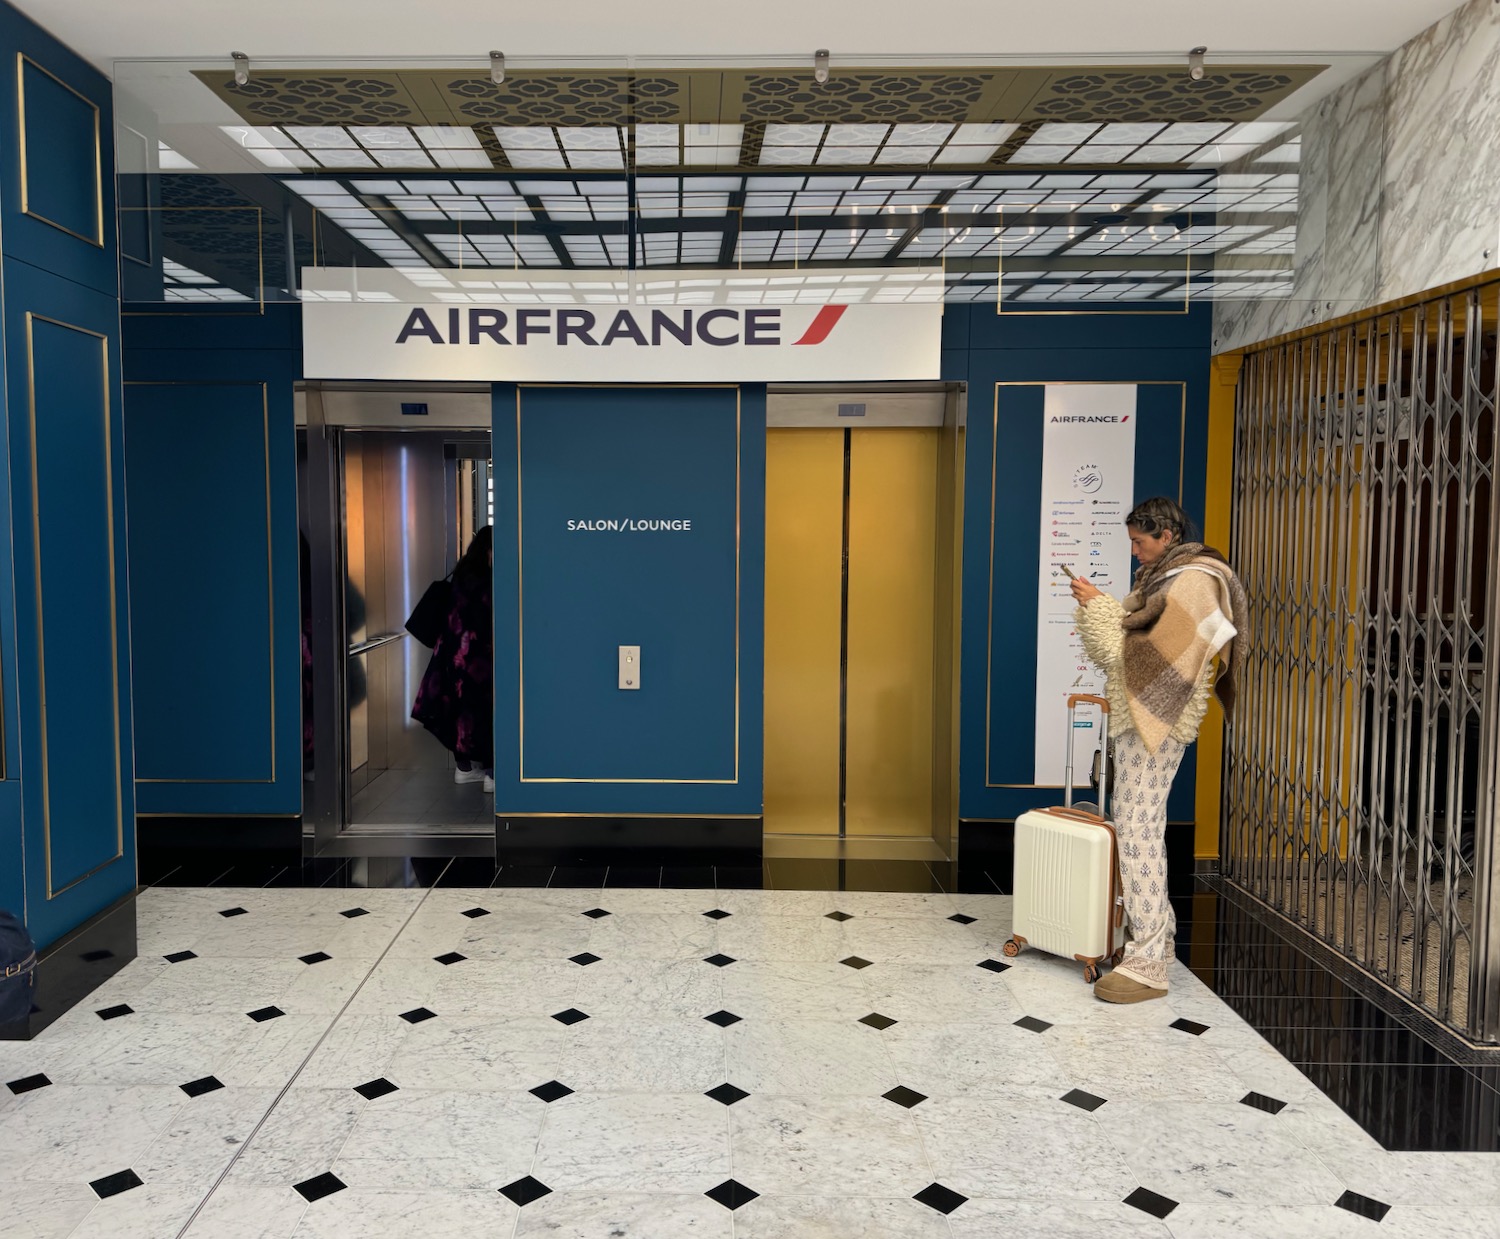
[{"x": 1163, "y": 650}]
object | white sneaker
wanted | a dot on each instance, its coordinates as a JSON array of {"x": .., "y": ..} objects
[
  {"x": 472, "y": 775},
  {"x": 489, "y": 783}
]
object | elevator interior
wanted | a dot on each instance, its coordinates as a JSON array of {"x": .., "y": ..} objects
[{"x": 390, "y": 496}]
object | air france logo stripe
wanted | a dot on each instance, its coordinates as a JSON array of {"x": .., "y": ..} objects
[{"x": 827, "y": 319}]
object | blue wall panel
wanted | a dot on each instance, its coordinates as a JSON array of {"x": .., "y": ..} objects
[
  {"x": 568, "y": 739},
  {"x": 57, "y": 193},
  {"x": 1005, "y": 362},
  {"x": 211, "y": 485},
  {"x": 72, "y": 627}
]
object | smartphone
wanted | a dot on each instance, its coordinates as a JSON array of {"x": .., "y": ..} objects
[{"x": 1072, "y": 576}]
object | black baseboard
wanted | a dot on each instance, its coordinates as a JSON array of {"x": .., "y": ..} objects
[
  {"x": 991, "y": 846},
  {"x": 605, "y": 839},
  {"x": 74, "y": 966},
  {"x": 240, "y": 834}
]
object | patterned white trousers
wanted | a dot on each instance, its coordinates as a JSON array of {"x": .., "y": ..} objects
[{"x": 1142, "y": 781}]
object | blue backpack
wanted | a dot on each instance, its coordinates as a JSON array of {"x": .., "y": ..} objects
[{"x": 17, "y": 964}]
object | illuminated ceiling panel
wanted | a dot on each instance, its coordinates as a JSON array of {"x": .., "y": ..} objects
[{"x": 360, "y": 146}]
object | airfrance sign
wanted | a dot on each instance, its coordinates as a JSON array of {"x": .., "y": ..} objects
[{"x": 380, "y": 332}]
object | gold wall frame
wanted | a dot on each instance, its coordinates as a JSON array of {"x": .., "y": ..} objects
[
  {"x": 265, "y": 423},
  {"x": 989, "y": 650},
  {"x": 520, "y": 584},
  {"x": 36, "y": 548},
  {"x": 97, "y": 240}
]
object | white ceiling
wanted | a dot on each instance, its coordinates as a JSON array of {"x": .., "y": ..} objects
[{"x": 335, "y": 30}]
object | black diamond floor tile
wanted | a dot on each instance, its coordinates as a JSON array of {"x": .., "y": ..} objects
[
  {"x": 177, "y": 957},
  {"x": 959, "y": 918},
  {"x": 840, "y": 916},
  {"x": 317, "y": 957},
  {"x": 320, "y": 1186},
  {"x": 584, "y": 960},
  {"x": 475, "y": 913},
  {"x": 28, "y": 1084},
  {"x": 551, "y": 1091},
  {"x": 994, "y": 965},
  {"x": 1188, "y": 1026},
  {"x": 234, "y": 912},
  {"x": 717, "y": 914},
  {"x": 351, "y": 913},
  {"x": 196, "y": 1088},
  {"x": 523, "y": 1191},
  {"x": 723, "y": 1018},
  {"x": 943, "y": 1199},
  {"x": 1365, "y": 1206},
  {"x": 1261, "y": 1102},
  {"x": 1031, "y": 1024},
  {"x": 596, "y": 913},
  {"x": 731, "y": 1194},
  {"x": 375, "y": 1088},
  {"x": 114, "y": 1184},
  {"x": 728, "y": 1094},
  {"x": 265, "y": 1013},
  {"x": 719, "y": 961},
  {"x": 904, "y": 1096},
  {"x": 451, "y": 958},
  {"x": 1084, "y": 1101},
  {"x": 876, "y": 1020},
  {"x": 418, "y": 1014},
  {"x": 1148, "y": 1201},
  {"x": 855, "y": 962},
  {"x": 571, "y": 1016},
  {"x": 114, "y": 1013}
]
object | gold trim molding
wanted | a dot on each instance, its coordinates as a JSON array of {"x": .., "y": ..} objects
[
  {"x": 97, "y": 240},
  {"x": 36, "y": 547}
]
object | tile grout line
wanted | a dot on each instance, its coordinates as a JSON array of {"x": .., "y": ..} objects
[{"x": 287, "y": 1087}]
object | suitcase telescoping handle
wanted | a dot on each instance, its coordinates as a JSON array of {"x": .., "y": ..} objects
[{"x": 1074, "y": 701}]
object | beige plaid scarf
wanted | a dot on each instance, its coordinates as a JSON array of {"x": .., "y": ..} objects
[{"x": 1186, "y": 607}]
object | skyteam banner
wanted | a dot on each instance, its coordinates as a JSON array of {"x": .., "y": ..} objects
[{"x": 616, "y": 327}]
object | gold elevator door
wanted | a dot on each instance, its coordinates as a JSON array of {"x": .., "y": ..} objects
[{"x": 849, "y": 664}]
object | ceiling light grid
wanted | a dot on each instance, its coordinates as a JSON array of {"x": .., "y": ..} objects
[
  {"x": 1207, "y": 142},
  {"x": 347, "y": 147},
  {"x": 844, "y": 145},
  {"x": 333, "y": 201},
  {"x": 183, "y": 283},
  {"x": 579, "y": 148},
  {"x": 679, "y": 249},
  {"x": 698, "y": 145}
]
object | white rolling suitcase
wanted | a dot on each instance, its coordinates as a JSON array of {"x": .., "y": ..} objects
[{"x": 1068, "y": 899}]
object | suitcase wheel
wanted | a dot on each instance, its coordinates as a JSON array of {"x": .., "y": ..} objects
[
  {"x": 1117, "y": 957},
  {"x": 1091, "y": 973},
  {"x": 1011, "y": 949}
]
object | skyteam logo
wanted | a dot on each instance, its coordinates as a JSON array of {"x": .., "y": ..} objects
[{"x": 718, "y": 327}]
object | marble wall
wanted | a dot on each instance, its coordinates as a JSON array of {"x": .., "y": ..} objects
[{"x": 1400, "y": 183}]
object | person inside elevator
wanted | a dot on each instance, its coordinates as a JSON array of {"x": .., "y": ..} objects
[
  {"x": 1163, "y": 650},
  {"x": 455, "y": 701}
]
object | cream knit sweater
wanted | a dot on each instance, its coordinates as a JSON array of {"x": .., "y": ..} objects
[{"x": 1104, "y": 643}]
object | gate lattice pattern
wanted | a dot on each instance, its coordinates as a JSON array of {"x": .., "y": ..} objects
[{"x": 1360, "y": 769}]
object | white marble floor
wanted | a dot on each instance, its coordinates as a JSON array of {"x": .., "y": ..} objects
[{"x": 648, "y": 1064}]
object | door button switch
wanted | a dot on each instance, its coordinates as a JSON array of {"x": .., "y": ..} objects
[{"x": 630, "y": 666}]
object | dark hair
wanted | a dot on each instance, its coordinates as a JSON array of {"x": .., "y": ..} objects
[
  {"x": 1158, "y": 515},
  {"x": 475, "y": 562}
]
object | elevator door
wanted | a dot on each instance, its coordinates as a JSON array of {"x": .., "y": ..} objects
[{"x": 851, "y": 535}]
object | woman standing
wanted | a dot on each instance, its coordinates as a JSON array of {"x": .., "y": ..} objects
[
  {"x": 456, "y": 699},
  {"x": 1157, "y": 650}
]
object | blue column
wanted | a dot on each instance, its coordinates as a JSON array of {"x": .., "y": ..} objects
[{"x": 67, "y": 810}]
